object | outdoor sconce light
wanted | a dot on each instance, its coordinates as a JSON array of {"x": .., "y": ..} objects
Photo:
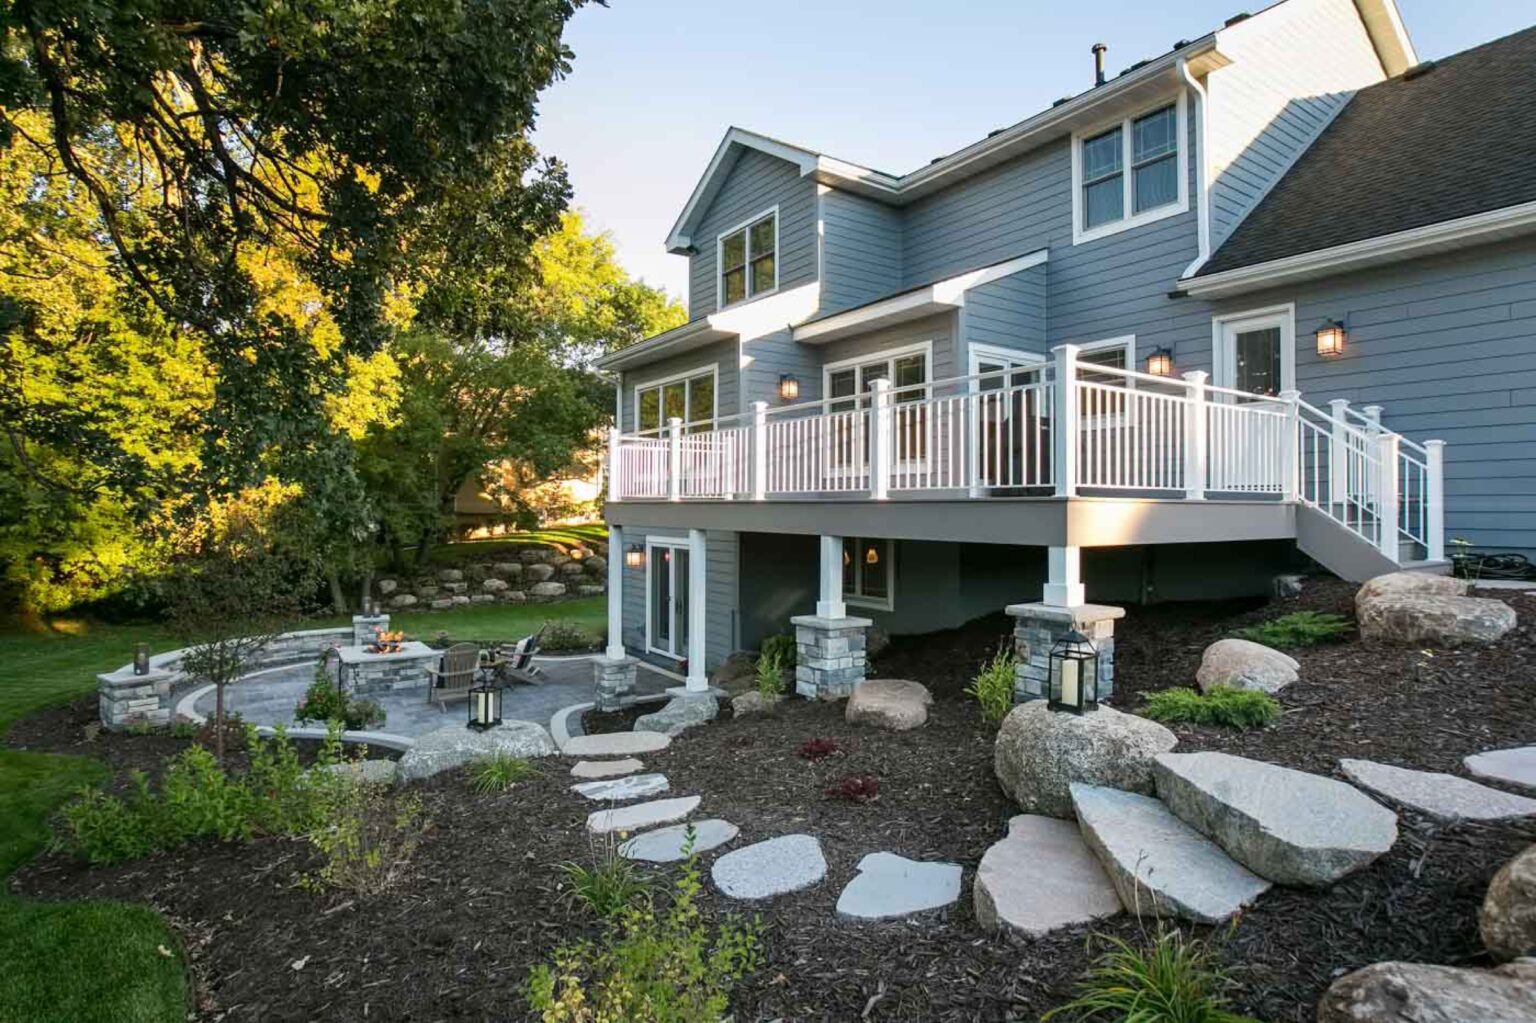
[
  {"x": 789, "y": 387},
  {"x": 141, "y": 658},
  {"x": 1330, "y": 338},
  {"x": 634, "y": 556},
  {"x": 1074, "y": 675},
  {"x": 484, "y": 706},
  {"x": 1160, "y": 362}
]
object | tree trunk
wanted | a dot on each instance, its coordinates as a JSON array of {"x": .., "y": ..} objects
[
  {"x": 423, "y": 546},
  {"x": 218, "y": 722},
  {"x": 338, "y": 598}
]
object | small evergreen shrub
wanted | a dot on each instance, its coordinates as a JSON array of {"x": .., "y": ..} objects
[
  {"x": 560, "y": 636},
  {"x": 770, "y": 678},
  {"x": 1300, "y": 628},
  {"x": 1172, "y": 979},
  {"x": 499, "y": 772},
  {"x": 1231, "y": 708},
  {"x": 818, "y": 749},
  {"x": 611, "y": 884},
  {"x": 993, "y": 687},
  {"x": 856, "y": 788},
  {"x": 782, "y": 649},
  {"x": 367, "y": 838},
  {"x": 325, "y": 701}
]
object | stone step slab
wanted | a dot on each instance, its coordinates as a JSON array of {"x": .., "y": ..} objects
[
  {"x": 615, "y": 744},
  {"x": 1159, "y": 865},
  {"x": 1040, "y": 878},
  {"x": 1288, "y": 826},
  {"x": 636, "y": 786},
  {"x": 1513, "y": 767},
  {"x": 639, "y": 816},
  {"x": 588, "y": 770},
  {"x": 891, "y": 887},
  {"x": 1441, "y": 796},
  {"x": 665, "y": 845},
  {"x": 775, "y": 867}
]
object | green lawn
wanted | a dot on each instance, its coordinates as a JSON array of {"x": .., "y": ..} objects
[{"x": 92, "y": 962}]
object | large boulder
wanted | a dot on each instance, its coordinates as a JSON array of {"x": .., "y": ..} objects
[
  {"x": 546, "y": 590},
  {"x": 1040, "y": 753},
  {"x": 539, "y": 572},
  {"x": 1288, "y": 826},
  {"x": 450, "y": 575},
  {"x": 508, "y": 569},
  {"x": 534, "y": 555},
  {"x": 893, "y": 704},
  {"x": 596, "y": 565},
  {"x": 572, "y": 568},
  {"x": 1508, "y": 918},
  {"x": 1440, "y": 620},
  {"x": 1241, "y": 664},
  {"x": 495, "y": 585},
  {"x": 680, "y": 714},
  {"x": 403, "y": 600},
  {"x": 387, "y": 586},
  {"x": 1418, "y": 993},
  {"x": 456, "y": 745},
  {"x": 1409, "y": 584}
]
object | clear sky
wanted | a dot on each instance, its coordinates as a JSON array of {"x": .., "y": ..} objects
[{"x": 889, "y": 84}]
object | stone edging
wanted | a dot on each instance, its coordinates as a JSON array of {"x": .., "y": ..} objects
[{"x": 185, "y": 708}]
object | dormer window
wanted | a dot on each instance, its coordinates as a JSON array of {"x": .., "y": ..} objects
[
  {"x": 748, "y": 259},
  {"x": 1129, "y": 174}
]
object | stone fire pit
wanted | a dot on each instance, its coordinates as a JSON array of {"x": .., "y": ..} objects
[{"x": 365, "y": 672}]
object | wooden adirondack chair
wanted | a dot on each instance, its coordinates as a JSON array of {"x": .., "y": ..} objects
[
  {"x": 517, "y": 660},
  {"x": 452, "y": 680}
]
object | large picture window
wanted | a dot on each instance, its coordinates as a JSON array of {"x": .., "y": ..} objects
[
  {"x": 748, "y": 259},
  {"x": 689, "y": 397},
  {"x": 1130, "y": 174},
  {"x": 869, "y": 572}
]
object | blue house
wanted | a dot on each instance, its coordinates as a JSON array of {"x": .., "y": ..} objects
[{"x": 1273, "y": 291}]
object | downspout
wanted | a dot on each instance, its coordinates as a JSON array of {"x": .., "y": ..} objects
[{"x": 1202, "y": 182}]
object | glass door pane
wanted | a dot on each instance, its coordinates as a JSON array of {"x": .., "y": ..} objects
[
  {"x": 680, "y": 601},
  {"x": 659, "y": 565},
  {"x": 1256, "y": 360}
]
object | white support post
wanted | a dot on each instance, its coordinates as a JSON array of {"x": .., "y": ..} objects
[
  {"x": 1338, "y": 452},
  {"x": 698, "y": 583},
  {"x": 1387, "y": 498},
  {"x": 674, "y": 459},
  {"x": 1064, "y": 432},
  {"x": 759, "y": 450},
  {"x": 970, "y": 440},
  {"x": 615, "y": 592},
  {"x": 829, "y": 592},
  {"x": 1196, "y": 416},
  {"x": 1290, "y": 446},
  {"x": 1064, "y": 581},
  {"x": 880, "y": 441},
  {"x": 614, "y": 461},
  {"x": 1434, "y": 500}
]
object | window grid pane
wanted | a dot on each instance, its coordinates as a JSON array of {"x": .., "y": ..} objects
[
  {"x": 701, "y": 402},
  {"x": 1156, "y": 184},
  {"x": 735, "y": 285},
  {"x": 762, "y": 237},
  {"x": 733, "y": 251},
  {"x": 1154, "y": 135},
  {"x": 1102, "y": 155},
  {"x": 762, "y": 274},
  {"x": 1103, "y": 201},
  {"x": 650, "y": 409}
]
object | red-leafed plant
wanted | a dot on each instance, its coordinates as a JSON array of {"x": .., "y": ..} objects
[
  {"x": 818, "y": 749},
  {"x": 856, "y": 788}
]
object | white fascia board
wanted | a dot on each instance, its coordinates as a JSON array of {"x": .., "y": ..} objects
[
  {"x": 679, "y": 339},
  {"x": 1478, "y": 229}
]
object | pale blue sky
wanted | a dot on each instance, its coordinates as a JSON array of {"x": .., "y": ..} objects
[{"x": 886, "y": 83}]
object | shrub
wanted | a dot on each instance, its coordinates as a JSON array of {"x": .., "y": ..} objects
[
  {"x": 611, "y": 885},
  {"x": 499, "y": 772},
  {"x": 1172, "y": 980},
  {"x": 559, "y": 636},
  {"x": 781, "y": 648},
  {"x": 367, "y": 838},
  {"x": 649, "y": 965},
  {"x": 818, "y": 749},
  {"x": 770, "y": 678},
  {"x": 993, "y": 687},
  {"x": 234, "y": 733},
  {"x": 1233, "y": 708},
  {"x": 1300, "y": 628},
  {"x": 856, "y": 788},
  {"x": 325, "y": 701}
]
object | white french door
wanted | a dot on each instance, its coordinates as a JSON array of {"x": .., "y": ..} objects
[
  {"x": 666, "y": 597},
  {"x": 1012, "y": 435}
]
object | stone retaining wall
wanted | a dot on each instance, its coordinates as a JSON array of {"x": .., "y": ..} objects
[{"x": 530, "y": 575}]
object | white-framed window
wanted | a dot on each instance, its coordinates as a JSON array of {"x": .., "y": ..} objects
[
  {"x": 691, "y": 396},
  {"x": 1255, "y": 350},
  {"x": 1134, "y": 171},
  {"x": 845, "y": 383},
  {"x": 747, "y": 260},
  {"x": 869, "y": 572},
  {"x": 1101, "y": 408}
]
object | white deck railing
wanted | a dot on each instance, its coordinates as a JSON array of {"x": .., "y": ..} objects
[{"x": 1056, "y": 430}]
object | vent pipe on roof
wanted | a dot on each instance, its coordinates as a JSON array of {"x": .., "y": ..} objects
[{"x": 1099, "y": 49}]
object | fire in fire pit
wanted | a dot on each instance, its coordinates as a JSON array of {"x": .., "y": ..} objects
[{"x": 386, "y": 642}]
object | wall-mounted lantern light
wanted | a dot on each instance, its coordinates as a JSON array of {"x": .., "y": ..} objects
[
  {"x": 789, "y": 387},
  {"x": 1330, "y": 338},
  {"x": 634, "y": 556},
  {"x": 1160, "y": 362}
]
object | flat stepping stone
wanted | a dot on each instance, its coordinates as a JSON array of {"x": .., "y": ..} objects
[
  {"x": 1288, "y": 826},
  {"x": 665, "y": 845},
  {"x": 590, "y": 769},
  {"x": 1158, "y": 864},
  {"x": 775, "y": 867},
  {"x": 636, "y": 786},
  {"x": 889, "y": 887},
  {"x": 1515, "y": 767},
  {"x": 640, "y": 816},
  {"x": 1041, "y": 877},
  {"x": 615, "y": 744},
  {"x": 1441, "y": 796}
]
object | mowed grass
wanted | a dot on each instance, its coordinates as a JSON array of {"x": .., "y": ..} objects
[{"x": 93, "y": 962}]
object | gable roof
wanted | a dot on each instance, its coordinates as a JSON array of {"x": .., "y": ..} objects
[{"x": 1449, "y": 141}]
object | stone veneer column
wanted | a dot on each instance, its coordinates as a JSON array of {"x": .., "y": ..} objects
[
  {"x": 1038, "y": 627},
  {"x": 829, "y": 655},
  {"x": 364, "y": 626},
  {"x": 126, "y": 699},
  {"x": 615, "y": 678}
]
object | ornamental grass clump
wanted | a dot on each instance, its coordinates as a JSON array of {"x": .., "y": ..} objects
[
  {"x": 1169, "y": 979},
  {"x": 611, "y": 884},
  {"x": 1224, "y": 706},
  {"x": 1298, "y": 629},
  {"x": 499, "y": 772},
  {"x": 781, "y": 648},
  {"x": 770, "y": 679},
  {"x": 993, "y": 687}
]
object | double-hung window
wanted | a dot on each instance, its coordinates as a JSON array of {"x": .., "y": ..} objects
[
  {"x": 869, "y": 572},
  {"x": 1130, "y": 174},
  {"x": 689, "y": 397},
  {"x": 748, "y": 259}
]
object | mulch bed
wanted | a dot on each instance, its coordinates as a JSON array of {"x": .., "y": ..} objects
[{"x": 455, "y": 941}]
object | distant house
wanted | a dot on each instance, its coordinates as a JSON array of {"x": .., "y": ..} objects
[{"x": 1272, "y": 290}]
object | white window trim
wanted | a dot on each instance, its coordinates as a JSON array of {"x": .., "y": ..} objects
[
  {"x": 888, "y": 603},
  {"x": 889, "y": 355},
  {"x": 1131, "y": 220},
  {"x": 720, "y": 238},
  {"x": 1223, "y": 366},
  {"x": 1029, "y": 361},
  {"x": 651, "y": 543},
  {"x": 1123, "y": 341},
  {"x": 711, "y": 368}
]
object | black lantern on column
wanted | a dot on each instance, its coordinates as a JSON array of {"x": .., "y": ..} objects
[
  {"x": 1074, "y": 674},
  {"x": 141, "y": 658},
  {"x": 484, "y": 706}
]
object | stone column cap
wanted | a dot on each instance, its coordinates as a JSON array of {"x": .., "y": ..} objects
[
  {"x": 1078, "y": 614},
  {"x": 124, "y": 678},
  {"x": 818, "y": 622},
  {"x": 611, "y": 662}
]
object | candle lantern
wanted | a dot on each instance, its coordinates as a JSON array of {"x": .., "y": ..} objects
[
  {"x": 1074, "y": 674},
  {"x": 484, "y": 706},
  {"x": 634, "y": 556},
  {"x": 141, "y": 658}
]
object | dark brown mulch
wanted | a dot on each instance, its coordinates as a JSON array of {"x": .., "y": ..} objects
[{"x": 602, "y": 722}]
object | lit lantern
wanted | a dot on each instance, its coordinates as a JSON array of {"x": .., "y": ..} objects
[
  {"x": 634, "y": 556},
  {"x": 484, "y": 706},
  {"x": 789, "y": 387},
  {"x": 1074, "y": 674},
  {"x": 1160, "y": 362},
  {"x": 872, "y": 555},
  {"x": 1330, "y": 338},
  {"x": 141, "y": 658}
]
